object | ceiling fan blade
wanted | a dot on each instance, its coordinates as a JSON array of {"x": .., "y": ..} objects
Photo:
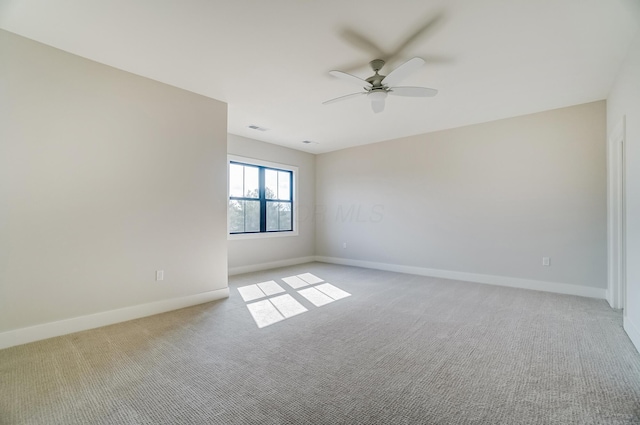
[
  {"x": 356, "y": 66},
  {"x": 420, "y": 31},
  {"x": 362, "y": 42},
  {"x": 428, "y": 59},
  {"x": 437, "y": 59},
  {"x": 402, "y": 72},
  {"x": 413, "y": 91},
  {"x": 341, "y": 98},
  {"x": 351, "y": 78},
  {"x": 377, "y": 106}
]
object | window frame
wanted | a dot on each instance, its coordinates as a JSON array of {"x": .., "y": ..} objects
[{"x": 263, "y": 165}]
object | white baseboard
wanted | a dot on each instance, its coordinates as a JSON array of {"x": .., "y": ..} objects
[
  {"x": 82, "y": 323},
  {"x": 271, "y": 265},
  {"x": 632, "y": 330},
  {"x": 514, "y": 282}
]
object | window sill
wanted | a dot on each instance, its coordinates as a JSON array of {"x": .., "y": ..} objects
[{"x": 242, "y": 236}]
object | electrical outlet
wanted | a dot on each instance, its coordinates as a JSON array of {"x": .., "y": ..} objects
[
  {"x": 159, "y": 275},
  {"x": 546, "y": 261}
]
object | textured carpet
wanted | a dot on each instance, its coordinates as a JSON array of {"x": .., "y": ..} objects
[{"x": 401, "y": 349}]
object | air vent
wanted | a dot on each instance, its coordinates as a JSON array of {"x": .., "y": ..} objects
[
  {"x": 309, "y": 142},
  {"x": 258, "y": 128}
]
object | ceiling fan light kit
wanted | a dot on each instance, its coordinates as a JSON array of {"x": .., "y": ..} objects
[
  {"x": 377, "y": 87},
  {"x": 377, "y": 95}
]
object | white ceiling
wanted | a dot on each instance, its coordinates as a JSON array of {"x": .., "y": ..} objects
[{"x": 269, "y": 60}]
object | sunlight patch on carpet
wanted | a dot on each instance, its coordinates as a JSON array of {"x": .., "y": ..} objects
[
  {"x": 310, "y": 278},
  {"x": 251, "y": 292},
  {"x": 287, "y": 305},
  {"x": 264, "y": 313},
  {"x": 316, "y": 297},
  {"x": 332, "y": 291},
  {"x": 295, "y": 282},
  {"x": 276, "y": 309},
  {"x": 271, "y": 287}
]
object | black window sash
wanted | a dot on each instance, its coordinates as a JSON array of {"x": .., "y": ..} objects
[{"x": 262, "y": 198}]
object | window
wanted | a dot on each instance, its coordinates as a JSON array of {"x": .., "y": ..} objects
[{"x": 260, "y": 199}]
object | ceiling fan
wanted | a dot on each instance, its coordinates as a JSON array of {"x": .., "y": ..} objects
[
  {"x": 377, "y": 87},
  {"x": 361, "y": 41}
]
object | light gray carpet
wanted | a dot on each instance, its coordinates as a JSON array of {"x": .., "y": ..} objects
[{"x": 401, "y": 349}]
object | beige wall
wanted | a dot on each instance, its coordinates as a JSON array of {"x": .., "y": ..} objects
[
  {"x": 247, "y": 254},
  {"x": 624, "y": 100},
  {"x": 105, "y": 177},
  {"x": 490, "y": 199}
]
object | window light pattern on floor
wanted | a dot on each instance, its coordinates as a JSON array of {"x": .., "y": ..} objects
[
  {"x": 275, "y": 309},
  {"x": 260, "y": 290}
]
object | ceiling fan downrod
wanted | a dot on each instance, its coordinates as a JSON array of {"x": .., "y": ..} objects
[{"x": 376, "y": 79}]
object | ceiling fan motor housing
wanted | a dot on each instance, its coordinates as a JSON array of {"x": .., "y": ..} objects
[
  {"x": 376, "y": 79},
  {"x": 377, "y": 64}
]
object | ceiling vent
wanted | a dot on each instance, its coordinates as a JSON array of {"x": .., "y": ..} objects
[{"x": 258, "y": 128}]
